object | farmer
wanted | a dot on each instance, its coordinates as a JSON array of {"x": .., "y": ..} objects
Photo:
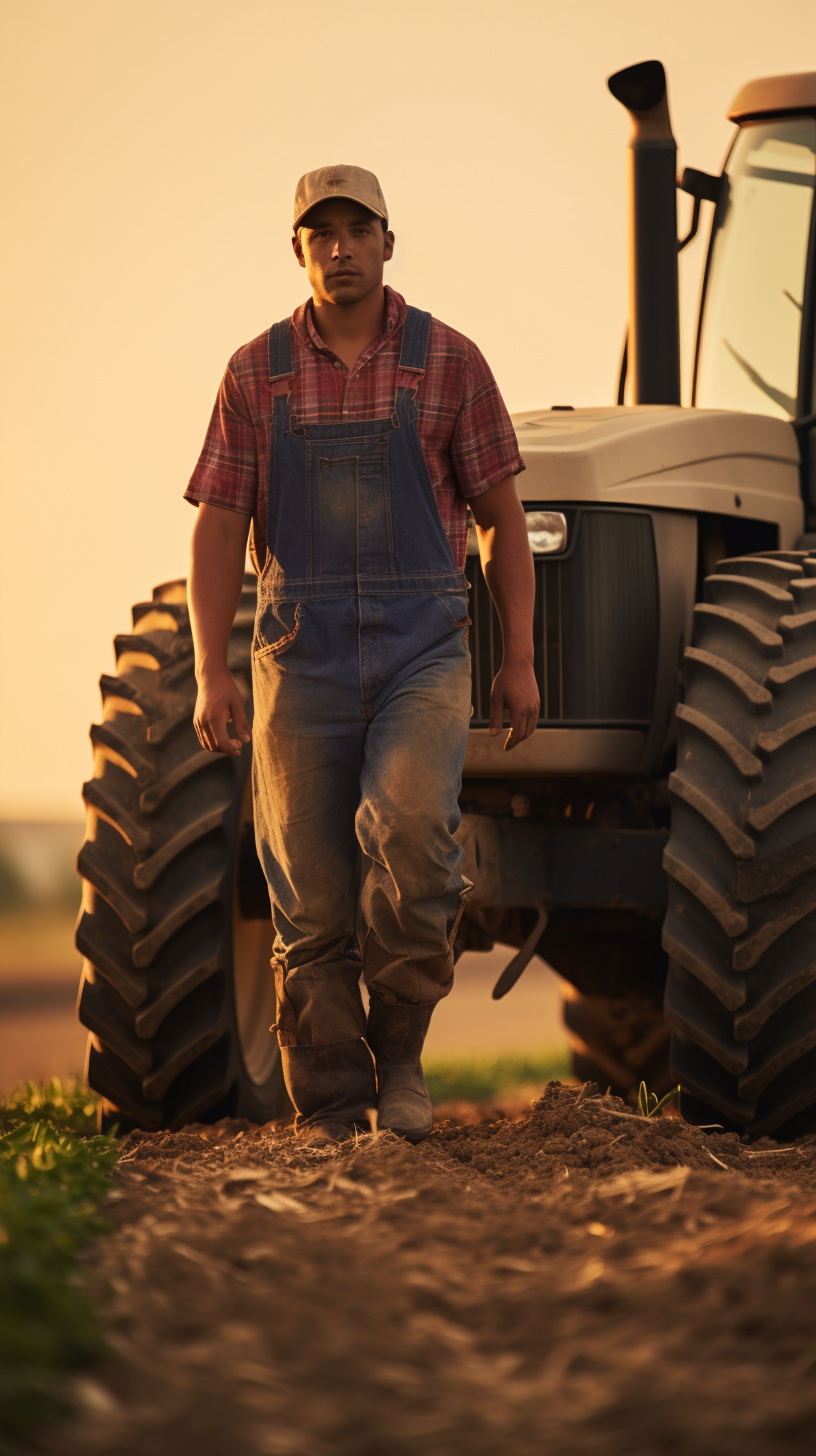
[{"x": 352, "y": 438}]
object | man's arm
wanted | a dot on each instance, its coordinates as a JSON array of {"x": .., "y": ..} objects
[
  {"x": 217, "y": 558},
  {"x": 507, "y": 563}
]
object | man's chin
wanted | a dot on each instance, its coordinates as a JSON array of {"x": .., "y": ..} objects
[{"x": 349, "y": 290}]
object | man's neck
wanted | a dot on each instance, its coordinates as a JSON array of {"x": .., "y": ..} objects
[{"x": 348, "y": 328}]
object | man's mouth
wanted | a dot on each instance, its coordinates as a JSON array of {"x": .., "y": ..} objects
[{"x": 344, "y": 273}]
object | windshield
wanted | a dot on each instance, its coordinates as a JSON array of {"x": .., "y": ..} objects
[{"x": 749, "y": 340}]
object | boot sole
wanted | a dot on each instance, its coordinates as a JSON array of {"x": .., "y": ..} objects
[{"x": 415, "y": 1135}]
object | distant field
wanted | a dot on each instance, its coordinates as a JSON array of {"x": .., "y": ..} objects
[
  {"x": 38, "y": 943},
  {"x": 40, "y": 1036},
  {"x": 481, "y": 1077}
]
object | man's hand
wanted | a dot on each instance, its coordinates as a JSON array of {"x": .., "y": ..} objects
[
  {"x": 216, "y": 574},
  {"x": 507, "y": 562},
  {"x": 219, "y": 702},
  {"x": 514, "y": 688}
]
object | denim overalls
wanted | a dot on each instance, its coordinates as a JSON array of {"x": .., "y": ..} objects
[{"x": 361, "y": 677}]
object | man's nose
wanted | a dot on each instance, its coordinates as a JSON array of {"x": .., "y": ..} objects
[{"x": 342, "y": 246}]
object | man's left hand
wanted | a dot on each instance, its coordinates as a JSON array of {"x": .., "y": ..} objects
[{"x": 514, "y": 688}]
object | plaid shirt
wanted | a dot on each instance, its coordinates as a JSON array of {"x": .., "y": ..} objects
[{"x": 467, "y": 439}]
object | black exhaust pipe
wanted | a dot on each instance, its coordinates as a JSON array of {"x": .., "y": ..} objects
[{"x": 654, "y": 313}]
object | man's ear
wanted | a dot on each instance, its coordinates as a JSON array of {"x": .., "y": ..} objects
[
  {"x": 297, "y": 249},
  {"x": 388, "y": 246}
]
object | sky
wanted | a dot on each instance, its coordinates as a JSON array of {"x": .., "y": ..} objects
[{"x": 149, "y": 156}]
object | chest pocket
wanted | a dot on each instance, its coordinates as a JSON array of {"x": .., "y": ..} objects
[{"x": 352, "y": 529}]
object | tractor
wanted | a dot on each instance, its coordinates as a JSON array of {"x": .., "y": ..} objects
[{"x": 655, "y": 838}]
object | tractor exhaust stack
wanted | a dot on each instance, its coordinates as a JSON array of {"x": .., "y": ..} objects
[{"x": 654, "y": 315}]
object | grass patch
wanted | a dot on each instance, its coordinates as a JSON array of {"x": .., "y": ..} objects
[
  {"x": 486, "y": 1075},
  {"x": 54, "y": 1173}
]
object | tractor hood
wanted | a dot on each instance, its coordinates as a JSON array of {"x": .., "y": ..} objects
[{"x": 718, "y": 461}]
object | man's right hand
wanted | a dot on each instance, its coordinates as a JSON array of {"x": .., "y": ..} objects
[
  {"x": 214, "y": 590},
  {"x": 219, "y": 702}
]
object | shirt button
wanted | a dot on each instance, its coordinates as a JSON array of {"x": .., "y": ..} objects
[{"x": 337, "y": 364}]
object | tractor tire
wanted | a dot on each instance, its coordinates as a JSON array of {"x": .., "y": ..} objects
[
  {"x": 175, "y": 930},
  {"x": 740, "y": 930}
]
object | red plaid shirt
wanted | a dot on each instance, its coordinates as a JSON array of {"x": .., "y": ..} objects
[{"x": 467, "y": 439}]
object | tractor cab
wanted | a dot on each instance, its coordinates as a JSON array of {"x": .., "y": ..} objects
[{"x": 755, "y": 346}]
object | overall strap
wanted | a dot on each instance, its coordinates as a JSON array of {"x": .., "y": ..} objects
[
  {"x": 281, "y": 368},
  {"x": 414, "y": 342}
]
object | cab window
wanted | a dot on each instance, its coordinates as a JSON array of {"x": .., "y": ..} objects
[{"x": 748, "y": 355}]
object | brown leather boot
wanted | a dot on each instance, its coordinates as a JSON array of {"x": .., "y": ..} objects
[
  {"x": 331, "y": 1087},
  {"x": 396, "y": 1035}
]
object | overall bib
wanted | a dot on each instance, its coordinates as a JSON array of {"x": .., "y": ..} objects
[{"x": 361, "y": 677}]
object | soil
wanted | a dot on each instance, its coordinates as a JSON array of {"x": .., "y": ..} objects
[{"x": 577, "y": 1280}]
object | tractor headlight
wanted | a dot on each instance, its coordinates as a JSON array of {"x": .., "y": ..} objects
[{"x": 547, "y": 531}]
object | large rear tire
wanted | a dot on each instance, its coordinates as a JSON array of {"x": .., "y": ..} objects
[
  {"x": 174, "y": 930},
  {"x": 740, "y": 930}
]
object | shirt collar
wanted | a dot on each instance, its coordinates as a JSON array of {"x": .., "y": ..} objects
[{"x": 395, "y": 311}]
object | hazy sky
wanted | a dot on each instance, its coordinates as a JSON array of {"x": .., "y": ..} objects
[{"x": 150, "y": 152}]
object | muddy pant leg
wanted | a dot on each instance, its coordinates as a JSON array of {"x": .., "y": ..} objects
[
  {"x": 306, "y": 787},
  {"x": 409, "y": 811}
]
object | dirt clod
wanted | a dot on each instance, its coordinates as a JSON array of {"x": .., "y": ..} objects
[{"x": 577, "y": 1281}]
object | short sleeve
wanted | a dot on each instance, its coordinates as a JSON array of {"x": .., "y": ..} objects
[
  {"x": 227, "y": 470},
  {"x": 483, "y": 445}
]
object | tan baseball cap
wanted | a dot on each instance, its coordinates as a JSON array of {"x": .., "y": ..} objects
[{"x": 354, "y": 183}]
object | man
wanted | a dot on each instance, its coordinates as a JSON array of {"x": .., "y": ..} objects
[{"x": 353, "y": 437}]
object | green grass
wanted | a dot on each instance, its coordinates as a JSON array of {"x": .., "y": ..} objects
[
  {"x": 483, "y": 1077},
  {"x": 54, "y": 1174}
]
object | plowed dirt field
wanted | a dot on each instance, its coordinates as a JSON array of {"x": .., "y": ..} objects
[{"x": 574, "y": 1281}]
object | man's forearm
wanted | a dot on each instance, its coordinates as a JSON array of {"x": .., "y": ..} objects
[
  {"x": 507, "y": 564},
  {"x": 217, "y": 558},
  {"x": 509, "y": 574}
]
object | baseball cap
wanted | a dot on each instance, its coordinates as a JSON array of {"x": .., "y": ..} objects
[{"x": 353, "y": 183}]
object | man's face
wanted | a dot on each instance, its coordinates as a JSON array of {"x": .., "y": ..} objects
[{"x": 343, "y": 248}]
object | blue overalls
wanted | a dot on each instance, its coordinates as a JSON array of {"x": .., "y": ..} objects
[{"x": 361, "y": 677}]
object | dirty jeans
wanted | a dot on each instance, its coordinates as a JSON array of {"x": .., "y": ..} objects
[{"x": 362, "y": 706}]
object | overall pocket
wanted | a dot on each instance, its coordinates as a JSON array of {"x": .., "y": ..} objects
[
  {"x": 456, "y": 606},
  {"x": 276, "y": 627}
]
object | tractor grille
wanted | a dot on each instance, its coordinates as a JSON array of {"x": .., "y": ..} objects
[{"x": 595, "y": 629}]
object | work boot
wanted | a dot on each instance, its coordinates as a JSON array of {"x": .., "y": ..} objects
[
  {"x": 396, "y": 1035},
  {"x": 331, "y": 1087}
]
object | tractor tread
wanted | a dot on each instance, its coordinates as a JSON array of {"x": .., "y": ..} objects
[
  {"x": 732, "y": 919},
  {"x": 147, "y": 947},
  {"x": 154, "y": 796},
  {"x": 147, "y": 872},
  {"x": 746, "y": 764},
  {"x": 741, "y": 990},
  {"x": 158, "y": 861},
  {"x": 746, "y": 686},
  {"x": 742, "y": 846}
]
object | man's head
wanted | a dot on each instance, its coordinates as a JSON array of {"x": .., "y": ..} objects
[{"x": 341, "y": 233}]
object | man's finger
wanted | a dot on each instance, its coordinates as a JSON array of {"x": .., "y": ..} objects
[
  {"x": 210, "y": 737},
  {"x": 529, "y": 724},
  {"x": 516, "y": 733},
  {"x": 522, "y": 726},
  {"x": 496, "y": 711},
  {"x": 216, "y": 731},
  {"x": 239, "y": 718},
  {"x": 224, "y": 743},
  {"x": 203, "y": 735}
]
